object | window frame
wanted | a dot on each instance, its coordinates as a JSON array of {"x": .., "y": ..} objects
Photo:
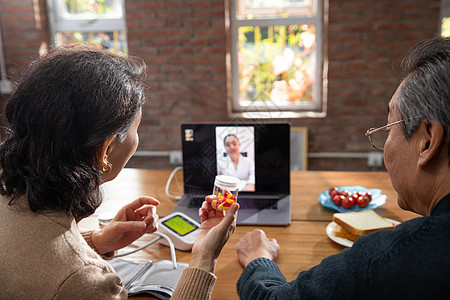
[
  {"x": 59, "y": 24},
  {"x": 316, "y": 108}
]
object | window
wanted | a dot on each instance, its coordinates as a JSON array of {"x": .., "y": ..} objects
[
  {"x": 446, "y": 27},
  {"x": 100, "y": 22},
  {"x": 276, "y": 58},
  {"x": 445, "y": 17}
]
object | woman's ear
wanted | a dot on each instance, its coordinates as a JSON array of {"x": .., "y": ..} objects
[
  {"x": 431, "y": 134},
  {"x": 104, "y": 151}
]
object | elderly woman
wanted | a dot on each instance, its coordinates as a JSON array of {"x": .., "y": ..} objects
[{"x": 73, "y": 121}]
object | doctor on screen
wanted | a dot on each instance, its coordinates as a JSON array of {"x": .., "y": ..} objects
[{"x": 236, "y": 164}]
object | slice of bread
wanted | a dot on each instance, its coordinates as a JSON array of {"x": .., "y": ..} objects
[
  {"x": 338, "y": 231},
  {"x": 362, "y": 222}
]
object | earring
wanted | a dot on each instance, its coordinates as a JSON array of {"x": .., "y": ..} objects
[{"x": 106, "y": 167}]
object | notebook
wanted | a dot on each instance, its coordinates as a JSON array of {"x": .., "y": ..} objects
[{"x": 263, "y": 168}]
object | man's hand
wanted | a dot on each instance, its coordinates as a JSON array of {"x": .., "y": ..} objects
[{"x": 255, "y": 244}]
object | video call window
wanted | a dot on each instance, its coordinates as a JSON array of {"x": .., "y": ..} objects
[{"x": 235, "y": 148}]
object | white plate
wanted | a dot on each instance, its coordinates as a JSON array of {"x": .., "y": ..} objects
[{"x": 342, "y": 241}]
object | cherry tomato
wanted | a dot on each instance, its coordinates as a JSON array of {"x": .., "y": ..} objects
[
  {"x": 348, "y": 202},
  {"x": 333, "y": 192},
  {"x": 362, "y": 201},
  {"x": 337, "y": 199},
  {"x": 367, "y": 195}
]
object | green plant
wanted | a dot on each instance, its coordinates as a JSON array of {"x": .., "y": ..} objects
[
  {"x": 445, "y": 32},
  {"x": 275, "y": 63},
  {"x": 88, "y": 6}
]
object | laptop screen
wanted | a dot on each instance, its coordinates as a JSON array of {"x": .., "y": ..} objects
[{"x": 258, "y": 154}]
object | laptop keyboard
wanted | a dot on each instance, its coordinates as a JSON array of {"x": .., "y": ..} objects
[
  {"x": 246, "y": 203},
  {"x": 258, "y": 203}
]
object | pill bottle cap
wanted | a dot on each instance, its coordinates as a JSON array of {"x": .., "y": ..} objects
[{"x": 227, "y": 182}]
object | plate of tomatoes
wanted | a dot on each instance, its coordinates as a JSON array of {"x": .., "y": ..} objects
[{"x": 352, "y": 198}]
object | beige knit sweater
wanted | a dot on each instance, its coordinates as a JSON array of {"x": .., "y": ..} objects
[{"x": 44, "y": 256}]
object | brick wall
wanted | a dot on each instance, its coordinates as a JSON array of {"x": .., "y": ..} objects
[
  {"x": 25, "y": 32},
  {"x": 184, "y": 44}
]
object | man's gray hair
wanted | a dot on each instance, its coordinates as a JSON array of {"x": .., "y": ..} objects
[{"x": 425, "y": 92}]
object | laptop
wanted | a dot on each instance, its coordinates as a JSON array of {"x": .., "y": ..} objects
[{"x": 264, "y": 193}]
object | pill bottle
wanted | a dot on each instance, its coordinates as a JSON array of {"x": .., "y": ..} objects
[
  {"x": 105, "y": 218},
  {"x": 226, "y": 190}
]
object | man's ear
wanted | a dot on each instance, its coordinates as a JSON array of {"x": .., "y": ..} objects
[{"x": 431, "y": 141}]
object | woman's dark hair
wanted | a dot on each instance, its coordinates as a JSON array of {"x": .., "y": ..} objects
[
  {"x": 66, "y": 105},
  {"x": 425, "y": 91},
  {"x": 228, "y": 135}
]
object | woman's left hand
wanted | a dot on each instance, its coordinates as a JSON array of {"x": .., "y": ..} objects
[{"x": 131, "y": 222}]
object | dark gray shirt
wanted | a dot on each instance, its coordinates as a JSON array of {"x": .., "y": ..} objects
[{"x": 410, "y": 262}]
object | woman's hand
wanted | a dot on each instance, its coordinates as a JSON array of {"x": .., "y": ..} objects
[
  {"x": 255, "y": 244},
  {"x": 130, "y": 223},
  {"x": 215, "y": 229}
]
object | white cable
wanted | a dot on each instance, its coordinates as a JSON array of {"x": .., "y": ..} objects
[
  {"x": 140, "y": 248},
  {"x": 161, "y": 235},
  {"x": 172, "y": 248},
  {"x": 170, "y": 181}
]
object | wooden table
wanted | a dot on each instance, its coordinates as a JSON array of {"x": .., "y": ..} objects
[{"x": 303, "y": 244}]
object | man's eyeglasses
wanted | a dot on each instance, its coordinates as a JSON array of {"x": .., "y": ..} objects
[{"x": 378, "y": 136}]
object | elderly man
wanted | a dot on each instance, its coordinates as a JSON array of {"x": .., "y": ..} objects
[{"x": 412, "y": 261}]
